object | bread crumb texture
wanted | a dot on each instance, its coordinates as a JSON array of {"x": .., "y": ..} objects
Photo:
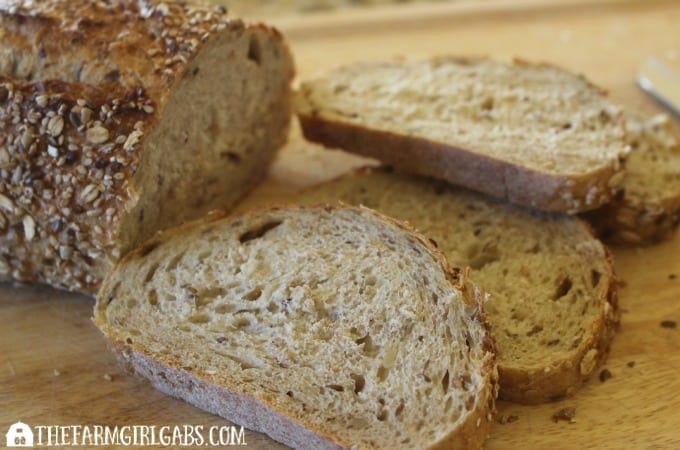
[{"x": 337, "y": 318}]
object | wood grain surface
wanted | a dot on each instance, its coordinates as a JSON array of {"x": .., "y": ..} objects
[{"x": 54, "y": 365}]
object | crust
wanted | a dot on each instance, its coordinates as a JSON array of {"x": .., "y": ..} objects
[
  {"x": 500, "y": 179},
  {"x": 262, "y": 414},
  {"x": 625, "y": 222}
]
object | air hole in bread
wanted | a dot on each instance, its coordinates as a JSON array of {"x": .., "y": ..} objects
[
  {"x": 487, "y": 104},
  {"x": 232, "y": 157},
  {"x": 151, "y": 272},
  {"x": 290, "y": 394},
  {"x": 172, "y": 265},
  {"x": 241, "y": 322},
  {"x": 535, "y": 329},
  {"x": 335, "y": 387},
  {"x": 400, "y": 408},
  {"x": 199, "y": 318},
  {"x": 382, "y": 374},
  {"x": 259, "y": 232},
  {"x": 255, "y": 51},
  {"x": 253, "y": 294},
  {"x": 370, "y": 349},
  {"x": 445, "y": 381},
  {"x": 132, "y": 302},
  {"x": 563, "y": 288},
  {"x": 381, "y": 415},
  {"x": 595, "y": 277},
  {"x": 359, "y": 382},
  {"x": 114, "y": 292},
  {"x": 153, "y": 297}
]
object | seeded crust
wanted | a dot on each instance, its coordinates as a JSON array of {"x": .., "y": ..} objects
[
  {"x": 291, "y": 399},
  {"x": 647, "y": 209},
  {"x": 580, "y": 178},
  {"x": 89, "y": 100},
  {"x": 553, "y": 308}
]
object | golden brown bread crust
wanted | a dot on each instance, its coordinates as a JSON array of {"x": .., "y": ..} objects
[
  {"x": 628, "y": 222},
  {"x": 84, "y": 82},
  {"x": 519, "y": 185},
  {"x": 261, "y": 412},
  {"x": 133, "y": 43}
]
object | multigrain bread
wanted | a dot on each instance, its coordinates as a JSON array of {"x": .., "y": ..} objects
[
  {"x": 647, "y": 210},
  {"x": 325, "y": 328},
  {"x": 532, "y": 134},
  {"x": 553, "y": 310},
  {"x": 120, "y": 118}
]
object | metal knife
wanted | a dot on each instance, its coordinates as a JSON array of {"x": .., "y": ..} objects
[{"x": 661, "y": 82}]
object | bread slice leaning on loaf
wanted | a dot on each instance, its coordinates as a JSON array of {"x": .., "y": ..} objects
[
  {"x": 552, "y": 310},
  {"x": 324, "y": 328},
  {"x": 532, "y": 134},
  {"x": 123, "y": 118},
  {"x": 647, "y": 210}
]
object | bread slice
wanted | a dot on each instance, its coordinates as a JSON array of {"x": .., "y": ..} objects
[
  {"x": 124, "y": 118},
  {"x": 324, "y": 328},
  {"x": 553, "y": 307},
  {"x": 529, "y": 133},
  {"x": 647, "y": 210}
]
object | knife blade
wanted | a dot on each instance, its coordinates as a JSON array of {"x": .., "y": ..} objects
[{"x": 661, "y": 82}]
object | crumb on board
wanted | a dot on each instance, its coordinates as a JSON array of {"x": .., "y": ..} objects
[
  {"x": 108, "y": 377},
  {"x": 631, "y": 364},
  {"x": 669, "y": 324},
  {"x": 506, "y": 418},
  {"x": 55, "y": 373},
  {"x": 566, "y": 414},
  {"x": 605, "y": 374}
]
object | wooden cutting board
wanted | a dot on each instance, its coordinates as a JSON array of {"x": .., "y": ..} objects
[{"x": 54, "y": 366}]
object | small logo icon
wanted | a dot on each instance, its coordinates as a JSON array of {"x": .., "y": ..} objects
[{"x": 19, "y": 435}]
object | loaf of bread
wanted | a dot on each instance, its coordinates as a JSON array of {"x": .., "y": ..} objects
[
  {"x": 647, "y": 210},
  {"x": 326, "y": 328},
  {"x": 121, "y": 118},
  {"x": 552, "y": 309},
  {"x": 533, "y": 134}
]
